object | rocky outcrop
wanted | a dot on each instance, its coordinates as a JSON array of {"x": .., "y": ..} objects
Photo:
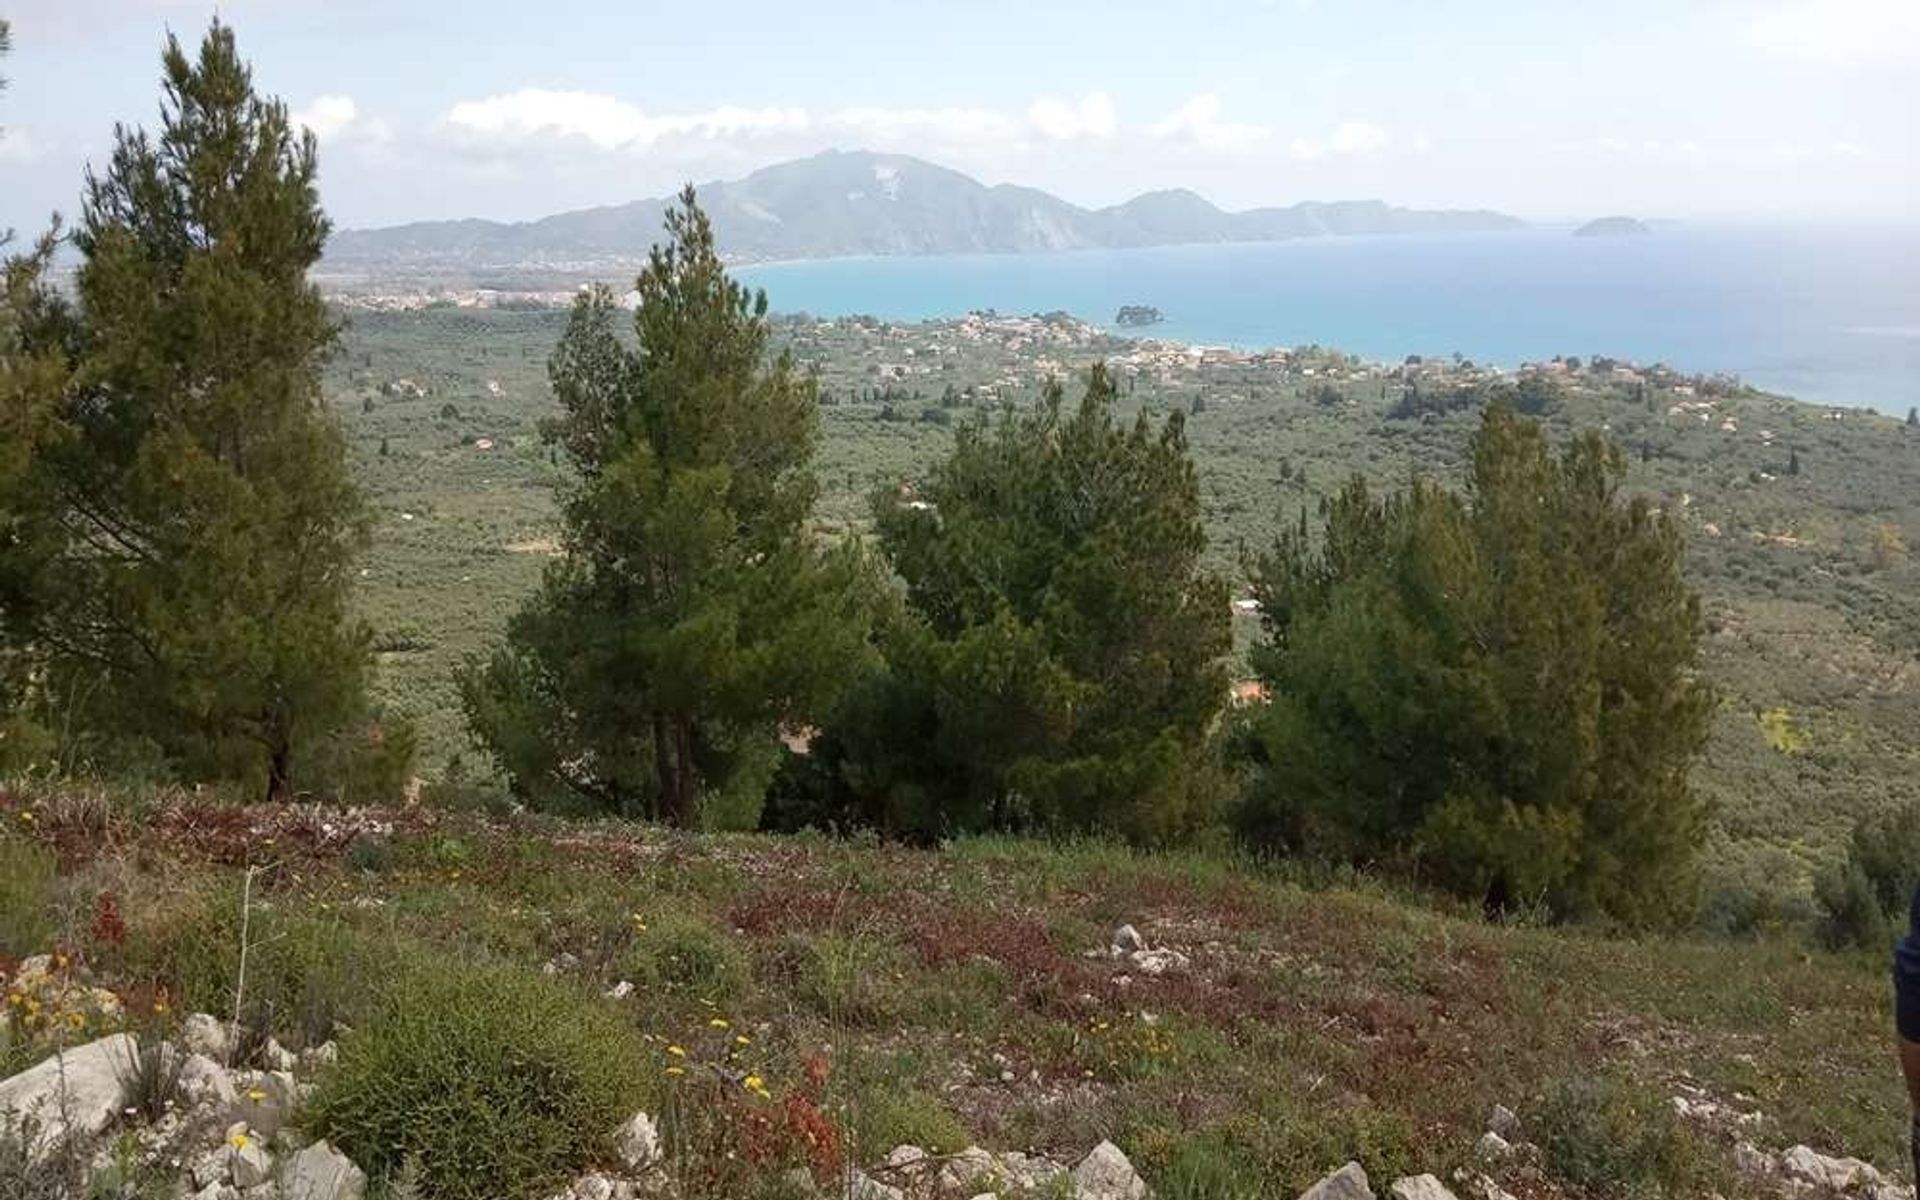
[
  {"x": 1348, "y": 1183},
  {"x": 74, "y": 1094},
  {"x": 320, "y": 1172},
  {"x": 1105, "y": 1174}
]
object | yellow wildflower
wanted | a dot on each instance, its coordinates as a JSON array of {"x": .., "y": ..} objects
[
  {"x": 676, "y": 1051},
  {"x": 238, "y": 1141},
  {"x": 676, "y": 1070},
  {"x": 256, "y": 1095},
  {"x": 719, "y": 1023},
  {"x": 741, "y": 1039}
]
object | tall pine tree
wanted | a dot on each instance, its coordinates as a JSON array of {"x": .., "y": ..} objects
[
  {"x": 192, "y": 487},
  {"x": 1060, "y": 665},
  {"x": 692, "y": 614},
  {"x": 1496, "y": 690}
]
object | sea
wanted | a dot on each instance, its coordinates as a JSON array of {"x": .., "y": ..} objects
[{"x": 1830, "y": 315}]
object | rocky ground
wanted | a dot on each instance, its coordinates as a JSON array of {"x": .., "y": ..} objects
[{"x": 985, "y": 1018}]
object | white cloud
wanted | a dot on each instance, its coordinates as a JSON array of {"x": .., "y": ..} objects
[
  {"x": 1198, "y": 121},
  {"x": 1347, "y": 139},
  {"x": 943, "y": 124},
  {"x": 334, "y": 118},
  {"x": 1837, "y": 30},
  {"x": 609, "y": 122},
  {"x": 327, "y": 115},
  {"x": 1063, "y": 120},
  {"x": 17, "y": 146}
]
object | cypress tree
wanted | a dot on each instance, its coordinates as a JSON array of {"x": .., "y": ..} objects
[{"x": 197, "y": 489}]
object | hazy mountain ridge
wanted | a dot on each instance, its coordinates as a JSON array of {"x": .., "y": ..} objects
[{"x": 859, "y": 203}]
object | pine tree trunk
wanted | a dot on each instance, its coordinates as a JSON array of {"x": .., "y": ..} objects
[
  {"x": 663, "y": 767},
  {"x": 683, "y": 775},
  {"x": 280, "y": 773}
]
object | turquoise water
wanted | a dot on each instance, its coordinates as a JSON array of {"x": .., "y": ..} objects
[{"x": 1825, "y": 315}]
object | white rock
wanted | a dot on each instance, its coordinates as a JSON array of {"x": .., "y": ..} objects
[
  {"x": 1126, "y": 940},
  {"x": 1030, "y": 1172},
  {"x": 1836, "y": 1174},
  {"x": 278, "y": 1057},
  {"x": 1158, "y": 962},
  {"x": 76, "y": 1093},
  {"x": 203, "y": 1034},
  {"x": 1753, "y": 1162},
  {"x": 1420, "y": 1187},
  {"x": 593, "y": 1186},
  {"x": 862, "y": 1187},
  {"x": 1504, "y": 1122},
  {"x": 1105, "y": 1174},
  {"x": 621, "y": 990},
  {"x": 1348, "y": 1183},
  {"x": 637, "y": 1142},
  {"x": 970, "y": 1168},
  {"x": 205, "y": 1083},
  {"x": 324, "y": 1055},
  {"x": 218, "y": 1189},
  {"x": 1487, "y": 1189},
  {"x": 249, "y": 1164},
  {"x": 907, "y": 1161},
  {"x": 320, "y": 1172},
  {"x": 1492, "y": 1148}
]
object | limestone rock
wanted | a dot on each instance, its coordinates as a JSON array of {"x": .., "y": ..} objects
[
  {"x": 76, "y": 1093},
  {"x": 1492, "y": 1148},
  {"x": 907, "y": 1162},
  {"x": 278, "y": 1057},
  {"x": 204, "y": 1034},
  {"x": 1835, "y": 1174},
  {"x": 248, "y": 1162},
  {"x": 1030, "y": 1172},
  {"x": 1348, "y": 1183},
  {"x": 1126, "y": 940},
  {"x": 593, "y": 1186},
  {"x": 971, "y": 1168},
  {"x": 320, "y": 1172},
  {"x": 1420, "y": 1187},
  {"x": 1504, "y": 1122},
  {"x": 1158, "y": 962},
  {"x": 860, "y": 1186},
  {"x": 1105, "y": 1174},
  {"x": 637, "y": 1142}
]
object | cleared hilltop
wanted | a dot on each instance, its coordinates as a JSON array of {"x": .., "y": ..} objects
[{"x": 843, "y": 203}]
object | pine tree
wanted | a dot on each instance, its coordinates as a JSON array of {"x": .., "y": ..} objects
[
  {"x": 1060, "y": 665},
  {"x": 1913, "y": 418},
  {"x": 199, "y": 492},
  {"x": 1496, "y": 690},
  {"x": 692, "y": 615}
]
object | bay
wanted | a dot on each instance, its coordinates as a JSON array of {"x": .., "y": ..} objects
[{"x": 1830, "y": 315}]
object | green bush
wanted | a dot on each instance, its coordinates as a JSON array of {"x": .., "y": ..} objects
[
  {"x": 493, "y": 1082},
  {"x": 1608, "y": 1139},
  {"x": 1863, "y": 899},
  {"x": 684, "y": 956},
  {"x": 27, "y": 900}
]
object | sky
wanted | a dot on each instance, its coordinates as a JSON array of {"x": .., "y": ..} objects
[{"x": 514, "y": 109}]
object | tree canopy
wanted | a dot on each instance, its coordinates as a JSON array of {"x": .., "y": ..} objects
[
  {"x": 1058, "y": 663},
  {"x": 692, "y": 615},
  {"x": 1496, "y": 689},
  {"x": 180, "y": 517}
]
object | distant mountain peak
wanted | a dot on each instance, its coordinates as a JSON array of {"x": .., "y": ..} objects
[{"x": 862, "y": 202}]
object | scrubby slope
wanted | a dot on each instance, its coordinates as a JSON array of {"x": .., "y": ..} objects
[{"x": 969, "y": 994}]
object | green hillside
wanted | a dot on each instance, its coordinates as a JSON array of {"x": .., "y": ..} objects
[{"x": 1798, "y": 518}]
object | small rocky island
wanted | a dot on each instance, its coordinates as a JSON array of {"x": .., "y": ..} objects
[
  {"x": 1614, "y": 227},
  {"x": 1138, "y": 314}
]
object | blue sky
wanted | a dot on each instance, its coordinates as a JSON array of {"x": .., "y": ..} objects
[{"x": 512, "y": 109}]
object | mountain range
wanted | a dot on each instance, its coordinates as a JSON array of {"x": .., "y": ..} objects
[{"x": 842, "y": 203}]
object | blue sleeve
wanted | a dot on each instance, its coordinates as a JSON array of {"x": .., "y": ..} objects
[{"x": 1906, "y": 976}]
